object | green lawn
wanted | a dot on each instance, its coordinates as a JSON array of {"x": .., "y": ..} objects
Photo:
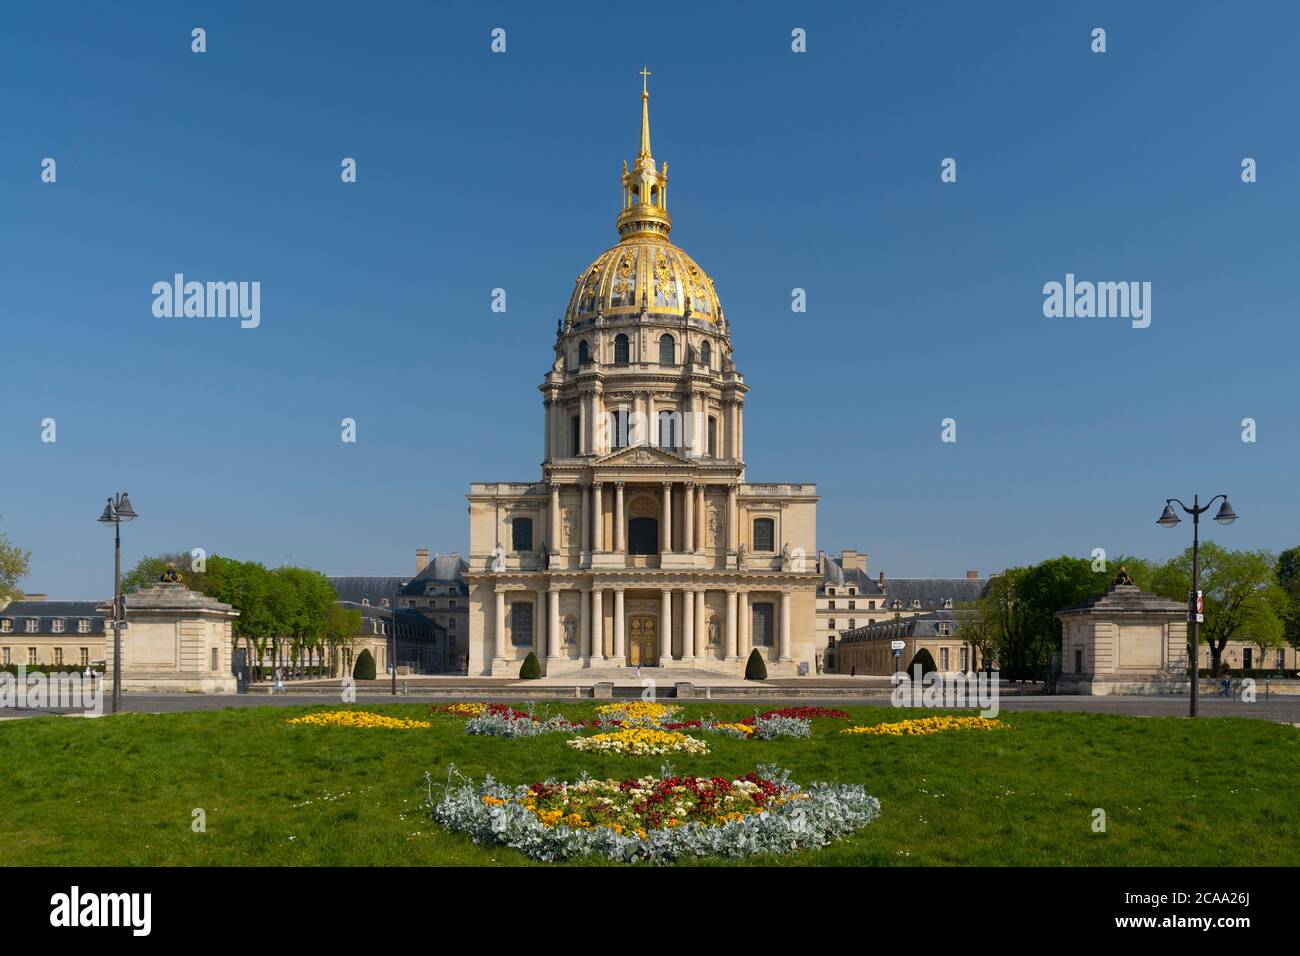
[{"x": 122, "y": 790}]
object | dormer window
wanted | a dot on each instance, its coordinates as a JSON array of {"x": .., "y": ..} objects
[
  {"x": 33, "y": 625},
  {"x": 58, "y": 625},
  {"x": 6, "y": 625},
  {"x": 83, "y": 626}
]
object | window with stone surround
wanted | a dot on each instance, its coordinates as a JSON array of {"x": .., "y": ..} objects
[
  {"x": 521, "y": 624},
  {"x": 764, "y": 534},
  {"x": 521, "y": 534},
  {"x": 622, "y": 351},
  {"x": 762, "y": 627}
]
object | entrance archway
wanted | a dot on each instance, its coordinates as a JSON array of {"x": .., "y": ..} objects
[{"x": 643, "y": 640}]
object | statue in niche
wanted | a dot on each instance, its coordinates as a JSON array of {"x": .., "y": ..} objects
[
  {"x": 715, "y": 631},
  {"x": 742, "y": 556},
  {"x": 785, "y": 557},
  {"x": 570, "y": 631},
  {"x": 713, "y": 527},
  {"x": 570, "y": 528},
  {"x": 498, "y": 559}
]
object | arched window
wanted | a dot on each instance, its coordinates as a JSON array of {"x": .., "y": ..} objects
[
  {"x": 668, "y": 430},
  {"x": 622, "y": 353},
  {"x": 618, "y": 429},
  {"x": 521, "y": 624},
  {"x": 761, "y": 629},
  {"x": 643, "y": 536},
  {"x": 705, "y": 352},
  {"x": 764, "y": 534},
  {"x": 521, "y": 534},
  {"x": 636, "y": 196},
  {"x": 654, "y": 195},
  {"x": 584, "y": 353},
  {"x": 667, "y": 351}
]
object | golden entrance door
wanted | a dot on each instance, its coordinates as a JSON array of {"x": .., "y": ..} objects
[{"x": 643, "y": 641}]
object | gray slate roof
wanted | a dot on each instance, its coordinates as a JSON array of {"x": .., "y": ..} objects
[
  {"x": 359, "y": 589},
  {"x": 442, "y": 570},
  {"x": 919, "y": 625},
  {"x": 45, "y": 612},
  {"x": 931, "y": 592},
  {"x": 835, "y": 575}
]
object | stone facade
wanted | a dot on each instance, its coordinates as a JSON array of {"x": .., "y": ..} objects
[
  {"x": 1125, "y": 641},
  {"x": 175, "y": 640},
  {"x": 643, "y": 544}
]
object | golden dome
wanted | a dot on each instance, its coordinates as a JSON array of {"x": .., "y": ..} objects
[
  {"x": 644, "y": 268},
  {"x": 650, "y": 270}
]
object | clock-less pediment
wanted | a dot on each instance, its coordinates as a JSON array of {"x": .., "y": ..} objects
[{"x": 643, "y": 455}]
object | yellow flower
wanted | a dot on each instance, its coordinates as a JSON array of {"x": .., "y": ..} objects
[
  {"x": 919, "y": 727},
  {"x": 357, "y": 718}
]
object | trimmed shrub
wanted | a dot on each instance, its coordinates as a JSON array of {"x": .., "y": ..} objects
[
  {"x": 364, "y": 669},
  {"x": 755, "y": 669},
  {"x": 923, "y": 659},
  {"x": 531, "y": 669}
]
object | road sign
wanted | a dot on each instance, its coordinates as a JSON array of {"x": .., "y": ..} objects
[
  {"x": 897, "y": 645},
  {"x": 1196, "y": 608}
]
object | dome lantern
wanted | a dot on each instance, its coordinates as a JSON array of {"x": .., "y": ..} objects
[{"x": 645, "y": 189}]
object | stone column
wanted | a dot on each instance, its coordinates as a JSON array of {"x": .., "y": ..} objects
[
  {"x": 546, "y": 418},
  {"x": 701, "y": 521},
  {"x": 730, "y": 637},
  {"x": 701, "y": 626},
  {"x": 584, "y": 523},
  {"x": 785, "y": 626},
  {"x": 688, "y": 518},
  {"x": 666, "y": 521},
  {"x": 584, "y": 420},
  {"x": 597, "y": 519},
  {"x": 742, "y": 624},
  {"x": 597, "y": 650},
  {"x": 619, "y": 529},
  {"x": 499, "y": 626},
  {"x": 556, "y": 640},
  {"x": 652, "y": 424},
  {"x": 688, "y": 625},
  {"x": 666, "y": 626},
  {"x": 620, "y": 645},
  {"x": 584, "y": 622},
  {"x": 553, "y": 532},
  {"x": 740, "y": 431},
  {"x": 733, "y": 526}
]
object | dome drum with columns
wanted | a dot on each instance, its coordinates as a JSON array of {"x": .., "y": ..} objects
[{"x": 643, "y": 545}]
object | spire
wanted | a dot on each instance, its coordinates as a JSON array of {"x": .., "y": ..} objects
[
  {"x": 645, "y": 116},
  {"x": 645, "y": 189}
]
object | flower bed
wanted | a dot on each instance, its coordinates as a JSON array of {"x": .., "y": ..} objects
[
  {"x": 358, "y": 718},
  {"x": 799, "y": 713},
  {"x": 640, "y": 742},
  {"x": 479, "y": 710},
  {"x": 507, "y": 725},
  {"x": 775, "y": 727},
  {"x": 636, "y": 711},
  {"x": 921, "y": 726},
  {"x": 656, "y": 818},
  {"x": 742, "y": 730}
]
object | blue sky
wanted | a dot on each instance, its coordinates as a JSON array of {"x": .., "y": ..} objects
[{"x": 817, "y": 170}]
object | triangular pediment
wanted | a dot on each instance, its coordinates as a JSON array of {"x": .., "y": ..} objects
[{"x": 643, "y": 455}]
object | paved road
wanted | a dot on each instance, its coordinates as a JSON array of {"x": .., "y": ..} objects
[{"x": 1282, "y": 709}]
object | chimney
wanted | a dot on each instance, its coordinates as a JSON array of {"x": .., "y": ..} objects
[
  {"x": 421, "y": 559},
  {"x": 972, "y": 575},
  {"x": 882, "y": 579}
]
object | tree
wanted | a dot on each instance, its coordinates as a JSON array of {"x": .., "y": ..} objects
[
  {"x": 149, "y": 569},
  {"x": 755, "y": 668},
  {"x": 978, "y": 628},
  {"x": 531, "y": 668},
  {"x": 341, "y": 627},
  {"x": 14, "y": 564},
  {"x": 1020, "y": 605},
  {"x": 1288, "y": 579},
  {"x": 1243, "y": 599},
  {"x": 365, "y": 667}
]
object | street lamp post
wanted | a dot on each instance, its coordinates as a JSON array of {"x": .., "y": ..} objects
[
  {"x": 1168, "y": 519},
  {"x": 116, "y": 511}
]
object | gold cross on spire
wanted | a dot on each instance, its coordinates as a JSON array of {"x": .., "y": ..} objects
[{"x": 645, "y": 74}]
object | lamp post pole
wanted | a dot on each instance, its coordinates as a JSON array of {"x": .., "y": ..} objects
[
  {"x": 115, "y": 512},
  {"x": 1168, "y": 519}
]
